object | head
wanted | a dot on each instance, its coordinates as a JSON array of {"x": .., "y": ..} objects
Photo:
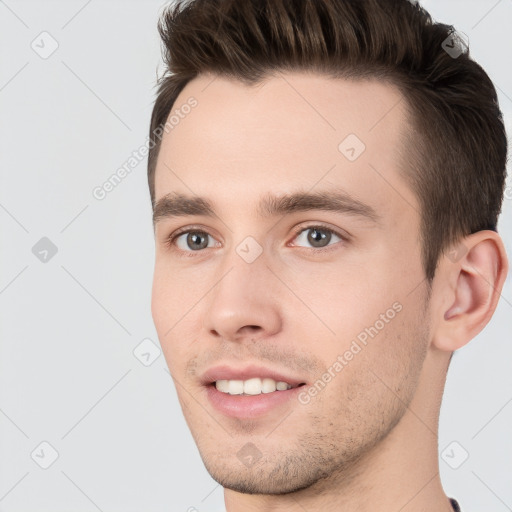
[{"x": 338, "y": 177}]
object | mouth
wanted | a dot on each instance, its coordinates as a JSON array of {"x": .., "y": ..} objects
[
  {"x": 249, "y": 393},
  {"x": 260, "y": 400},
  {"x": 253, "y": 386}
]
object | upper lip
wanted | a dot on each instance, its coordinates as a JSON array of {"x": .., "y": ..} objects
[{"x": 226, "y": 372}]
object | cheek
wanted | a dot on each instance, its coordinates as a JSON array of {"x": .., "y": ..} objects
[
  {"x": 376, "y": 378},
  {"x": 174, "y": 311},
  {"x": 169, "y": 296},
  {"x": 160, "y": 301},
  {"x": 165, "y": 298},
  {"x": 396, "y": 343},
  {"x": 373, "y": 317},
  {"x": 340, "y": 299}
]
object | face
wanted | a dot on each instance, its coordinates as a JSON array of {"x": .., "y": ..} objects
[{"x": 305, "y": 269}]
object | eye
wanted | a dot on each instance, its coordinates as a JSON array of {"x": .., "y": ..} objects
[
  {"x": 318, "y": 236},
  {"x": 191, "y": 240}
]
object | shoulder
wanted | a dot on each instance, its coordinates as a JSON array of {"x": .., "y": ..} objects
[{"x": 455, "y": 505}]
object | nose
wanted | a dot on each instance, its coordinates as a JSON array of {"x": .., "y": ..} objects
[{"x": 245, "y": 303}]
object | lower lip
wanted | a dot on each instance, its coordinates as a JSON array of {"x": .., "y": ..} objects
[{"x": 249, "y": 406}]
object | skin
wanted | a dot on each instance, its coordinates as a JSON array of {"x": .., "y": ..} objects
[{"x": 370, "y": 435}]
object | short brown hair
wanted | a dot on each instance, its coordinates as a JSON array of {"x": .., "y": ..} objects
[{"x": 456, "y": 156}]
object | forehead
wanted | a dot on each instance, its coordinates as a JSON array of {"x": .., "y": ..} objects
[{"x": 293, "y": 131}]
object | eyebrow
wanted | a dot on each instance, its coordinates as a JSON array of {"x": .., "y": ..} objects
[{"x": 179, "y": 205}]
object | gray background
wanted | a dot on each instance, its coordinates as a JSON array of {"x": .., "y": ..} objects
[{"x": 69, "y": 326}]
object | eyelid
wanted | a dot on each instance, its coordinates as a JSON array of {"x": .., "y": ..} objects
[
  {"x": 336, "y": 231},
  {"x": 345, "y": 237},
  {"x": 170, "y": 240}
]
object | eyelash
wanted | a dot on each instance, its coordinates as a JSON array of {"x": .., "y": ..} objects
[{"x": 170, "y": 241}]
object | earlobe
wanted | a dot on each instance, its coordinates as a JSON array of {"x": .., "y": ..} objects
[{"x": 472, "y": 287}]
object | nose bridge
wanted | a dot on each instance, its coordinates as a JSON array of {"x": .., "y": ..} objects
[{"x": 243, "y": 295}]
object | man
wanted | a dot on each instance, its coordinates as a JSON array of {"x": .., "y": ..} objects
[{"x": 326, "y": 179}]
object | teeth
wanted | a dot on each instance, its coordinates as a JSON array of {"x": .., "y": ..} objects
[
  {"x": 235, "y": 387},
  {"x": 222, "y": 385},
  {"x": 254, "y": 386},
  {"x": 268, "y": 385}
]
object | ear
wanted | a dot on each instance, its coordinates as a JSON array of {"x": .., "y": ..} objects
[{"x": 469, "y": 283}]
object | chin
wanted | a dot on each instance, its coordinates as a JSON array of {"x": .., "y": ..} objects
[{"x": 271, "y": 478}]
